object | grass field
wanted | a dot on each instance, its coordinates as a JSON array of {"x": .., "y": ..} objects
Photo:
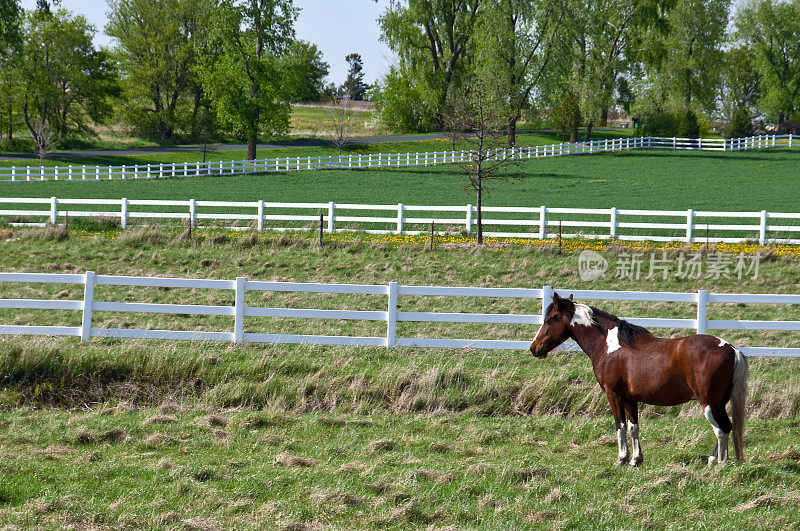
[
  {"x": 116, "y": 433},
  {"x": 640, "y": 180}
]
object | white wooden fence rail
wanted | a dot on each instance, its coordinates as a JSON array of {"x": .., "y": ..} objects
[
  {"x": 393, "y": 291},
  {"x": 379, "y": 160},
  {"x": 530, "y": 222}
]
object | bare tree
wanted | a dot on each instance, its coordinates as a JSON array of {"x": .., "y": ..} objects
[
  {"x": 478, "y": 118},
  {"x": 340, "y": 119},
  {"x": 45, "y": 139}
]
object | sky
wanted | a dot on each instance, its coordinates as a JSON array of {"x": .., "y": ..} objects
[{"x": 337, "y": 27}]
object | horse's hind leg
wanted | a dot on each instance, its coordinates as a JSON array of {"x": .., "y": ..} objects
[
  {"x": 618, "y": 410},
  {"x": 722, "y": 426},
  {"x": 632, "y": 412}
]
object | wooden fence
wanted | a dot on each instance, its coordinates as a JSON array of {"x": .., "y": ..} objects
[
  {"x": 379, "y": 160},
  {"x": 540, "y": 222},
  {"x": 391, "y": 316}
]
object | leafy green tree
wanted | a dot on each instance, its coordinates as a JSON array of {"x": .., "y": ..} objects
[
  {"x": 10, "y": 41},
  {"x": 354, "y": 87},
  {"x": 772, "y": 29},
  {"x": 514, "y": 39},
  {"x": 400, "y": 103},
  {"x": 308, "y": 70},
  {"x": 66, "y": 82},
  {"x": 739, "y": 91},
  {"x": 432, "y": 41},
  {"x": 245, "y": 78},
  {"x": 157, "y": 48}
]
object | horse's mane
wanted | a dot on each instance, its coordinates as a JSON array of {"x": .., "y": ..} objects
[{"x": 627, "y": 331}]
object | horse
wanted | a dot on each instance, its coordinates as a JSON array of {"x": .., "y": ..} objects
[{"x": 632, "y": 365}]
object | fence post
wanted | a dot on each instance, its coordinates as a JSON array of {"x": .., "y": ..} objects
[
  {"x": 702, "y": 301},
  {"x": 689, "y": 225},
  {"x": 192, "y": 212},
  {"x": 56, "y": 173},
  {"x": 89, "y": 279},
  {"x": 391, "y": 316},
  {"x": 123, "y": 217},
  {"x": 53, "y": 210},
  {"x": 542, "y": 222},
  {"x": 238, "y": 311},
  {"x": 613, "y": 223},
  {"x": 547, "y": 295},
  {"x": 260, "y": 215},
  {"x": 331, "y": 216},
  {"x": 400, "y": 212},
  {"x": 468, "y": 220},
  {"x": 762, "y": 228}
]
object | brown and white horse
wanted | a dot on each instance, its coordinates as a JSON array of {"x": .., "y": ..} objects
[{"x": 631, "y": 366}]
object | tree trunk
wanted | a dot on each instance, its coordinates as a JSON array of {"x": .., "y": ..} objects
[
  {"x": 10, "y": 122},
  {"x": 512, "y": 131},
  {"x": 479, "y": 219},
  {"x": 781, "y": 118},
  {"x": 587, "y": 136},
  {"x": 252, "y": 141},
  {"x": 604, "y": 118}
]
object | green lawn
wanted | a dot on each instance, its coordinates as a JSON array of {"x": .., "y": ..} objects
[{"x": 752, "y": 180}]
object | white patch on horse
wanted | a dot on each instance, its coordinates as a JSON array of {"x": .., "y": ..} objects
[
  {"x": 622, "y": 443},
  {"x": 612, "y": 340},
  {"x": 637, "y": 446},
  {"x": 722, "y": 343},
  {"x": 582, "y": 316},
  {"x": 720, "y": 451}
]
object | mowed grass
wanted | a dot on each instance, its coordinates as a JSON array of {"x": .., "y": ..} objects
[{"x": 749, "y": 181}]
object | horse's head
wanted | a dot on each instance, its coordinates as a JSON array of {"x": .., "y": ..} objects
[{"x": 556, "y": 326}]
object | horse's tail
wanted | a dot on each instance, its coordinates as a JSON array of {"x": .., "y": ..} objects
[{"x": 738, "y": 398}]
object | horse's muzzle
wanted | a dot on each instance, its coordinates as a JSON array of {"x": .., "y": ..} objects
[{"x": 538, "y": 354}]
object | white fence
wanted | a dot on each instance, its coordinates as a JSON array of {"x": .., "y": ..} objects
[
  {"x": 239, "y": 311},
  {"x": 379, "y": 160},
  {"x": 528, "y": 222}
]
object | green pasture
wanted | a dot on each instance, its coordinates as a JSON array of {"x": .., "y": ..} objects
[
  {"x": 655, "y": 180},
  {"x": 740, "y": 181},
  {"x": 167, "y": 434}
]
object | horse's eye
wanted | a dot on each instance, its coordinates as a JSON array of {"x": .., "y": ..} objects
[{"x": 549, "y": 320}]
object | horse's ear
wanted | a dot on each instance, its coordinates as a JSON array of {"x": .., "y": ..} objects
[
  {"x": 555, "y": 297},
  {"x": 570, "y": 296}
]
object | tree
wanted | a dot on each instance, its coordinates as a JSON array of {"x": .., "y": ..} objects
[
  {"x": 514, "y": 39},
  {"x": 245, "y": 77},
  {"x": 476, "y": 117},
  {"x": 308, "y": 70},
  {"x": 431, "y": 39},
  {"x": 10, "y": 42},
  {"x": 66, "y": 82},
  {"x": 772, "y": 29},
  {"x": 598, "y": 33},
  {"x": 739, "y": 91},
  {"x": 354, "y": 87},
  {"x": 340, "y": 118},
  {"x": 157, "y": 48},
  {"x": 682, "y": 60}
]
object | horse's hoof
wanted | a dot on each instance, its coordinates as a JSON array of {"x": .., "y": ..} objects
[
  {"x": 635, "y": 462},
  {"x": 622, "y": 461},
  {"x": 712, "y": 460}
]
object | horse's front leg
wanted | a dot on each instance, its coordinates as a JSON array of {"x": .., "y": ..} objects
[
  {"x": 618, "y": 410},
  {"x": 632, "y": 412}
]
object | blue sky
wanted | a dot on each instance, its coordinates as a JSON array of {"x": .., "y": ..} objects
[{"x": 337, "y": 27}]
